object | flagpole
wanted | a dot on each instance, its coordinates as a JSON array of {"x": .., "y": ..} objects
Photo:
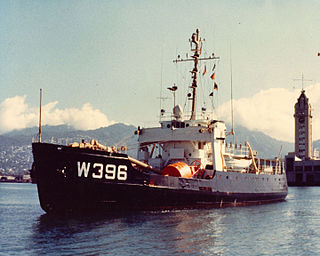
[{"x": 40, "y": 116}]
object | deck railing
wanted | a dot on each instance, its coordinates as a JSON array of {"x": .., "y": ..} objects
[
  {"x": 235, "y": 149},
  {"x": 264, "y": 166}
]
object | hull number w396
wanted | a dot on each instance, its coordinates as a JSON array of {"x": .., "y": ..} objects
[{"x": 99, "y": 171}]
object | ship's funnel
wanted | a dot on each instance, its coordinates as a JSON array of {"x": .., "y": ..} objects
[{"x": 178, "y": 112}]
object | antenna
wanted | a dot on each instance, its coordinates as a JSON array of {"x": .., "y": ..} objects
[
  {"x": 161, "y": 74},
  {"x": 231, "y": 96},
  {"x": 302, "y": 80},
  {"x": 40, "y": 116}
]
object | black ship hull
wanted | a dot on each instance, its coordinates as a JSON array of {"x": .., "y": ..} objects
[{"x": 78, "y": 179}]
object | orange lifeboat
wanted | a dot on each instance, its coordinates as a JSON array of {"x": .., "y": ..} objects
[{"x": 179, "y": 169}]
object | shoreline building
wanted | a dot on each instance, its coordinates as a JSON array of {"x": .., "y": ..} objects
[
  {"x": 303, "y": 127},
  {"x": 301, "y": 166}
]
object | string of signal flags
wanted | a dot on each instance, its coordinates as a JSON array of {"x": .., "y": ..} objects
[{"x": 215, "y": 85}]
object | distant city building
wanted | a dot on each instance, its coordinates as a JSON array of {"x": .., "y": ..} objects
[{"x": 302, "y": 168}]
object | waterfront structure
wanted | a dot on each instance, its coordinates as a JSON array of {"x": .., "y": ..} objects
[
  {"x": 303, "y": 127},
  {"x": 302, "y": 172},
  {"x": 302, "y": 168}
]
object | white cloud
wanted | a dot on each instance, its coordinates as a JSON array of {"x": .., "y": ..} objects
[
  {"x": 16, "y": 114},
  {"x": 271, "y": 111}
]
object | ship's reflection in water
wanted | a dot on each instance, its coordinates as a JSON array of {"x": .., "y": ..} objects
[
  {"x": 287, "y": 228},
  {"x": 272, "y": 229},
  {"x": 178, "y": 232},
  {"x": 185, "y": 232}
]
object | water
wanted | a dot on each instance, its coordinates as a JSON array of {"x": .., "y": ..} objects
[{"x": 287, "y": 228}]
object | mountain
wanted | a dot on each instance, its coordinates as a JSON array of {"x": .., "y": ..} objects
[
  {"x": 266, "y": 146},
  {"x": 108, "y": 135},
  {"x": 27, "y": 135},
  {"x": 16, "y": 153}
]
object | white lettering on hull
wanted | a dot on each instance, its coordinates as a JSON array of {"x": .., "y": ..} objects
[
  {"x": 100, "y": 171},
  {"x": 83, "y": 169},
  {"x": 112, "y": 172}
]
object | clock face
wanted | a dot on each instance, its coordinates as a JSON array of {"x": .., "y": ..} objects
[{"x": 301, "y": 119}]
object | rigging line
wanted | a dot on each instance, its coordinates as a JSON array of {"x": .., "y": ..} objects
[
  {"x": 132, "y": 146},
  {"x": 185, "y": 103},
  {"x": 215, "y": 102},
  {"x": 177, "y": 65},
  {"x": 124, "y": 139},
  {"x": 212, "y": 82},
  {"x": 180, "y": 79},
  {"x": 184, "y": 83},
  {"x": 202, "y": 85},
  {"x": 214, "y": 99},
  {"x": 180, "y": 85},
  {"x": 212, "y": 102}
]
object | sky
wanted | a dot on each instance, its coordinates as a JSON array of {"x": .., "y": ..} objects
[{"x": 104, "y": 62}]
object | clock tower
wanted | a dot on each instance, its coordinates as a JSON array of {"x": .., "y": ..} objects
[{"x": 303, "y": 128}]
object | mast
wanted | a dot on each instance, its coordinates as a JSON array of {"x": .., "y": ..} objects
[
  {"x": 40, "y": 116},
  {"x": 195, "y": 41},
  {"x": 197, "y": 53}
]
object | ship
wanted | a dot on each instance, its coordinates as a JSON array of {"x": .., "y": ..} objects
[{"x": 186, "y": 162}]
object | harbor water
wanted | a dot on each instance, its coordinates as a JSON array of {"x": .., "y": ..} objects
[{"x": 286, "y": 228}]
